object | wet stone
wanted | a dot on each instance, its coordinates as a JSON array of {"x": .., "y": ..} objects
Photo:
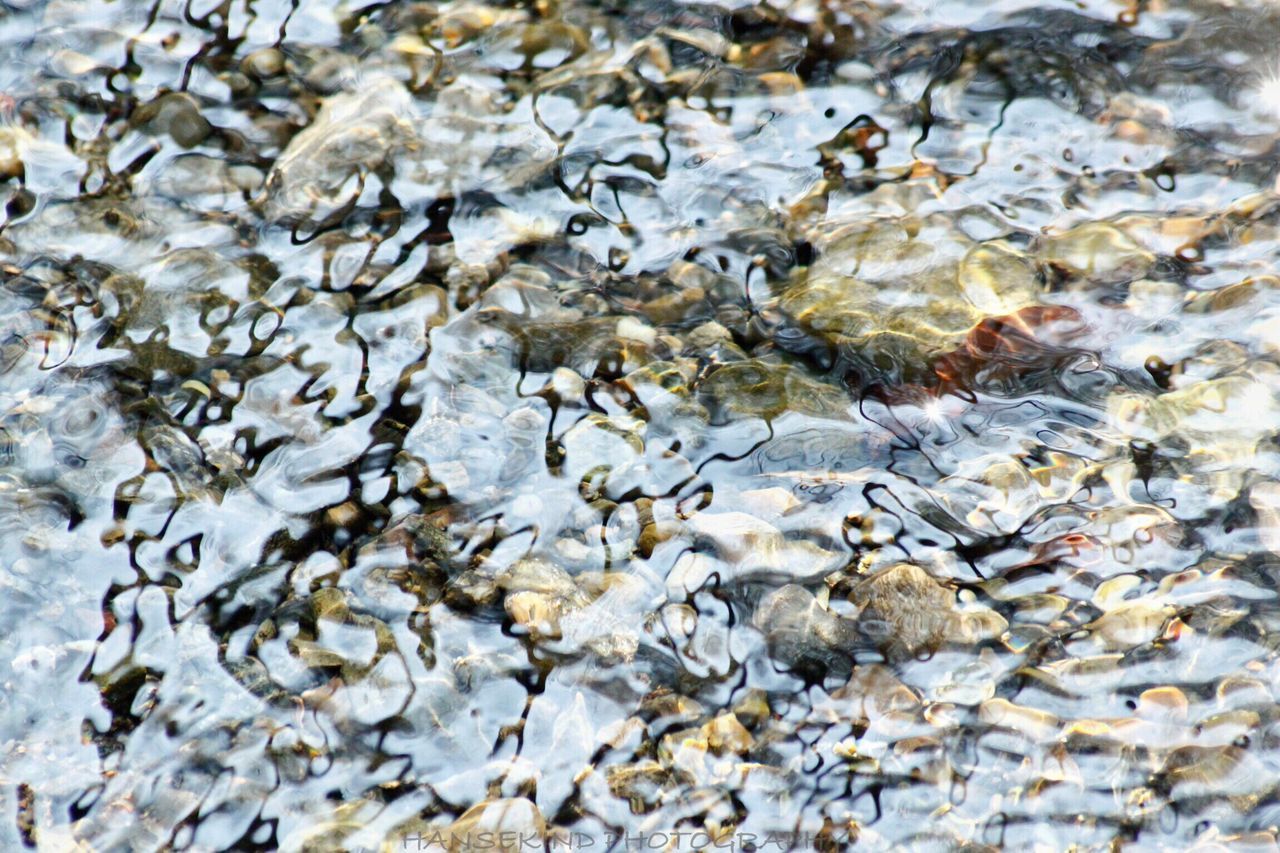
[
  {"x": 906, "y": 612},
  {"x": 324, "y": 165},
  {"x": 802, "y": 633}
]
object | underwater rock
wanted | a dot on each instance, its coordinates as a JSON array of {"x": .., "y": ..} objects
[
  {"x": 908, "y": 613},
  {"x": 803, "y": 634},
  {"x": 756, "y": 550},
  {"x": 1098, "y": 251},
  {"x": 759, "y": 389},
  {"x": 1265, "y": 500},
  {"x": 176, "y": 114},
  {"x": 513, "y": 823},
  {"x": 1220, "y": 422},
  {"x": 890, "y": 295},
  {"x": 325, "y": 167}
]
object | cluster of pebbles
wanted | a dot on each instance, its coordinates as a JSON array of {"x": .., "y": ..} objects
[{"x": 650, "y": 422}]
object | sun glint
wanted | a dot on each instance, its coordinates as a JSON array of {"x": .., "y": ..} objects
[{"x": 1268, "y": 94}]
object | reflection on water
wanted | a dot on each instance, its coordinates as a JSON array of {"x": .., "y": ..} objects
[{"x": 599, "y": 420}]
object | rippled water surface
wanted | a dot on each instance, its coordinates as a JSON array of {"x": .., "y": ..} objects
[{"x": 652, "y": 423}]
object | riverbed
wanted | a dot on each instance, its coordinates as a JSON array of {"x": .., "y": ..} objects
[{"x": 663, "y": 425}]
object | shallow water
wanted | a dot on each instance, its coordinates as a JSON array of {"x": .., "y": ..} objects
[{"x": 599, "y": 421}]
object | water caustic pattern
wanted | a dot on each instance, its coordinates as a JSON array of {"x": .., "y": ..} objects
[{"x": 835, "y": 421}]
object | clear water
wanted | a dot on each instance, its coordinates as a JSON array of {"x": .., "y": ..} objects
[{"x": 613, "y": 422}]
